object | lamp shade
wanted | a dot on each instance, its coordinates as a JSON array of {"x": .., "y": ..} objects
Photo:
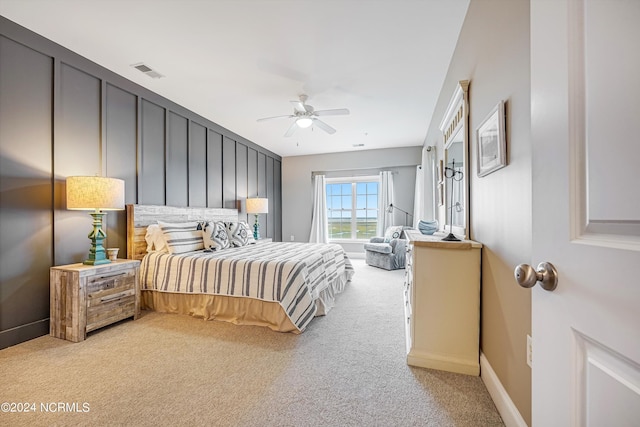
[
  {"x": 87, "y": 193},
  {"x": 257, "y": 205}
]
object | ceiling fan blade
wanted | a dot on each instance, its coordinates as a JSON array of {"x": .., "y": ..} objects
[
  {"x": 275, "y": 117},
  {"x": 336, "y": 112},
  {"x": 299, "y": 106},
  {"x": 291, "y": 129},
  {"x": 325, "y": 127}
]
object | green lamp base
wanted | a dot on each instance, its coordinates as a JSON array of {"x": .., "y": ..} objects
[
  {"x": 256, "y": 229},
  {"x": 97, "y": 254}
]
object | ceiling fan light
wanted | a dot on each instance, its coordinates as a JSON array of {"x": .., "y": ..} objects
[{"x": 304, "y": 122}]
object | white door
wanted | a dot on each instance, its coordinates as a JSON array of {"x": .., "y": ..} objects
[{"x": 585, "y": 123}]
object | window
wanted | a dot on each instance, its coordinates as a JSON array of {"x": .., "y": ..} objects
[{"x": 352, "y": 207}]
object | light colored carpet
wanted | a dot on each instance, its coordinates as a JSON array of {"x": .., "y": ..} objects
[{"x": 347, "y": 369}]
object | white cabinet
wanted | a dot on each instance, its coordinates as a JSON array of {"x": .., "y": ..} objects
[{"x": 442, "y": 304}]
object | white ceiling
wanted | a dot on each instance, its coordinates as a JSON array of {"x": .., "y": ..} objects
[{"x": 236, "y": 61}]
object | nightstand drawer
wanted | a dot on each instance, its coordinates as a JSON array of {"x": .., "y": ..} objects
[
  {"x": 110, "y": 298},
  {"x": 102, "y": 288},
  {"x": 112, "y": 309}
]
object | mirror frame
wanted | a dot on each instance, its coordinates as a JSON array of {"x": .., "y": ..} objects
[{"x": 456, "y": 119}]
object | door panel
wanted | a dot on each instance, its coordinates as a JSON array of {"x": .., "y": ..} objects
[
  {"x": 584, "y": 93},
  {"x": 611, "y": 384},
  {"x": 603, "y": 102}
]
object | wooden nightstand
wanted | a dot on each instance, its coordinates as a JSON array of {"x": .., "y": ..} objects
[{"x": 86, "y": 297}]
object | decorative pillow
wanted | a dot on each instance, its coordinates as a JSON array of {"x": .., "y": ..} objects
[
  {"x": 155, "y": 239},
  {"x": 183, "y": 236},
  {"x": 250, "y": 239},
  {"x": 215, "y": 236},
  {"x": 239, "y": 233},
  {"x": 148, "y": 237},
  {"x": 392, "y": 232}
]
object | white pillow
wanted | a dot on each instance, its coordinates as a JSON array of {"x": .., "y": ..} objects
[
  {"x": 239, "y": 233},
  {"x": 215, "y": 236},
  {"x": 155, "y": 239},
  {"x": 182, "y": 237}
]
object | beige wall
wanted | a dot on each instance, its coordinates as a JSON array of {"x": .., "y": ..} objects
[
  {"x": 297, "y": 185},
  {"x": 493, "y": 54}
]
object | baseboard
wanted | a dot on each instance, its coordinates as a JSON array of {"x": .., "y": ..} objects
[
  {"x": 508, "y": 411},
  {"x": 443, "y": 363},
  {"x": 355, "y": 255},
  {"x": 22, "y": 333}
]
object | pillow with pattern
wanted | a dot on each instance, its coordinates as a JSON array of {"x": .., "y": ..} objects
[
  {"x": 249, "y": 229},
  {"x": 182, "y": 237},
  {"x": 392, "y": 232},
  {"x": 215, "y": 236},
  {"x": 239, "y": 233}
]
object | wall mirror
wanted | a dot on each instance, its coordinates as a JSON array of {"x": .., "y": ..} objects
[{"x": 455, "y": 129}]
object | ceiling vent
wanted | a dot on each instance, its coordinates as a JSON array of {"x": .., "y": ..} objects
[{"x": 147, "y": 70}]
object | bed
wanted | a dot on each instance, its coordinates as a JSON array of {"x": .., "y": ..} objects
[{"x": 282, "y": 286}]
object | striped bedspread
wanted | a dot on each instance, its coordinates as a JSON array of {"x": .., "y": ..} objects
[{"x": 292, "y": 274}]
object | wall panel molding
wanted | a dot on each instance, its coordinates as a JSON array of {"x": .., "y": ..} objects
[
  {"x": 177, "y": 160},
  {"x": 83, "y": 119},
  {"x": 214, "y": 169},
  {"x": 26, "y": 191},
  {"x": 197, "y": 165}
]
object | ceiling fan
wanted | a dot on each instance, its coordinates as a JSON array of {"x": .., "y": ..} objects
[{"x": 305, "y": 116}]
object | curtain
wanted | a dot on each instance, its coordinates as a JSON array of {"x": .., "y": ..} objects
[
  {"x": 418, "y": 199},
  {"x": 319, "y": 225},
  {"x": 428, "y": 207},
  {"x": 385, "y": 198}
]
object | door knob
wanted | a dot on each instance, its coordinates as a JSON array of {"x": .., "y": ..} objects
[{"x": 546, "y": 274}]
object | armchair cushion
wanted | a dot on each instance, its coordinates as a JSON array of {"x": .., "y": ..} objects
[
  {"x": 381, "y": 248},
  {"x": 399, "y": 246}
]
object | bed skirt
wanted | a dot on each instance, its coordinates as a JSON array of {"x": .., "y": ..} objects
[{"x": 239, "y": 310}]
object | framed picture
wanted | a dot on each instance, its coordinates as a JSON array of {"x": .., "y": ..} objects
[
  {"x": 441, "y": 194},
  {"x": 491, "y": 141},
  {"x": 441, "y": 170}
]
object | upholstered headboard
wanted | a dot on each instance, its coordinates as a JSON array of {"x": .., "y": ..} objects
[{"x": 141, "y": 216}]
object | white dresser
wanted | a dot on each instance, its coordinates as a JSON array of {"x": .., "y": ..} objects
[{"x": 442, "y": 304}]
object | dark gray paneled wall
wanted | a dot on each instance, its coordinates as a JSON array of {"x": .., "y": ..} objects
[
  {"x": 62, "y": 115},
  {"x": 26, "y": 220},
  {"x": 152, "y": 173},
  {"x": 197, "y": 165},
  {"x": 177, "y": 181},
  {"x": 214, "y": 169},
  {"x": 121, "y": 154}
]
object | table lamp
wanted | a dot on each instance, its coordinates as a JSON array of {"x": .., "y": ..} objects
[
  {"x": 97, "y": 194},
  {"x": 257, "y": 206}
]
